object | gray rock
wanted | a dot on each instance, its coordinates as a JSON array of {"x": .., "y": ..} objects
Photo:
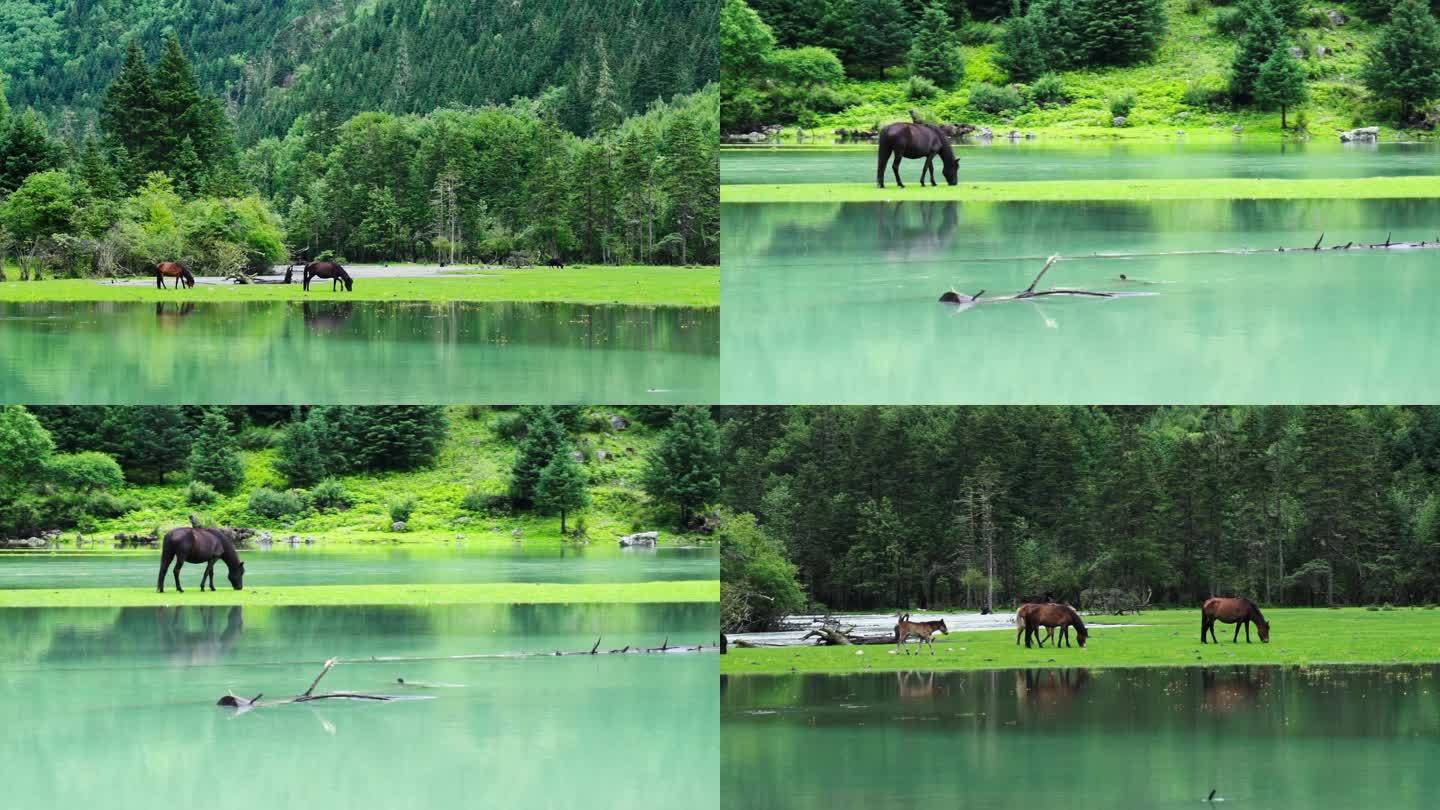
[
  {"x": 1117, "y": 121},
  {"x": 1321, "y": 51},
  {"x": 640, "y": 540},
  {"x": 577, "y": 455},
  {"x": 397, "y": 526},
  {"x": 1336, "y": 17},
  {"x": 1297, "y": 51},
  {"x": 1360, "y": 135},
  {"x": 1237, "y": 129},
  {"x": 618, "y": 422},
  {"x": 601, "y": 455}
]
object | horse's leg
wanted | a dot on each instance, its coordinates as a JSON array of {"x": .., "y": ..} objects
[
  {"x": 931, "y": 641},
  {"x": 895, "y": 167},
  {"x": 179, "y": 561},
  {"x": 209, "y": 575},
  {"x": 1247, "y": 631},
  {"x": 880, "y": 167},
  {"x": 1204, "y": 626},
  {"x": 165, "y": 558},
  {"x": 1236, "y": 639},
  {"x": 929, "y": 169}
]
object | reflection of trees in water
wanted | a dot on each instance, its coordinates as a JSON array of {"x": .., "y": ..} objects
[{"x": 1231, "y": 690}]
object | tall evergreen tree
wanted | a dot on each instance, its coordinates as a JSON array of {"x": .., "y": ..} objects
[
  {"x": 684, "y": 470},
  {"x": 1020, "y": 53},
  {"x": 561, "y": 487},
  {"x": 880, "y": 38},
  {"x": 1120, "y": 32},
  {"x": 544, "y": 439},
  {"x": 1262, "y": 32},
  {"x": 1281, "y": 82},
  {"x": 1404, "y": 63},
  {"x": 130, "y": 113},
  {"x": 213, "y": 458},
  {"x": 934, "y": 52}
]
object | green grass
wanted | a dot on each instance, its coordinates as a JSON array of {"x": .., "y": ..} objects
[
  {"x": 657, "y": 286},
  {"x": 475, "y": 594},
  {"x": 474, "y": 456},
  {"x": 1094, "y": 190},
  {"x": 1163, "y": 638},
  {"x": 1191, "y": 54}
]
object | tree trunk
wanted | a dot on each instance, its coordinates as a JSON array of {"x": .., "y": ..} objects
[
  {"x": 1282, "y": 117},
  {"x": 562, "y": 521}
]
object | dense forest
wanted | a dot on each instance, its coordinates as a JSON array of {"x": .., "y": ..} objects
[
  {"x": 356, "y": 469},
  {"x": 910, "y": 507},
  {"x": 795, "y": 61},
  {"x": 275, "y": 60},
  {"x": 162, "y": 175}
]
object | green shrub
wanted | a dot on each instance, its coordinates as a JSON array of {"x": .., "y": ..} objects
[
  {"x": 995, "y": 100},
  {"x": 1194, "y": 7},
  {"x": 1300, "y": 125},
  {"x": 276, "y": 505},
  {"x": 1202, "y": 97},
  {"x": 107, "y": 505},
  {"x": 511, "y": 426},
  {"x": 980, "y": 33},
  {"x": 257, "y": 438},
  {"x": 920, "y": 88},
  {"x": 1122, "y": 105},
  {"x": 200, "y": 493},
  {"x": 330, "y": 494},
  {"x": 486, "y": 503},
  {"x": 85, "y": 472},
  {"x": 402, "y": 509},
  {"x": 1230, "y": 22},
  {"x": 1049, "y": 89}
]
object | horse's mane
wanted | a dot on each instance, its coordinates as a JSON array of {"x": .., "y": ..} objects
[{"x": 1079, "y": 622}]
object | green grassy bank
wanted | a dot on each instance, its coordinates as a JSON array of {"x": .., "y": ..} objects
[
  {"x": 1367, "y": 188},
  {"x": 1159, "y": 638},
  {"x": 410, "y": 595},
  {"x": 652, "y": 286}
]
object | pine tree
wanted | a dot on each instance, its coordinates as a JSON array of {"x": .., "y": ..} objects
[
  {"x": 880, "y": 36},
  {"x": 1020, "y": 54},
  {"x": 1404, "y": 63},
  {"x": 213, "y": 458},
  {"x": 26, "y": 149},
  {"x": 1281, "y": 82},
  {"x": 1119, "y": 32},
  {"x": 544, "y": 438},
  {"x": 561, "y": 487},
  {"x": 934, "y": 53},
  {"x": 1262, "y": 32},
  {"x": 690, "y": 186},
  {"x": 606, "y": 111},
  {"x": 4, "y": 104},
  {"x": 178, "y": 100},
  {"x": 130, "y": 113},
  {"x": 684, "y": 469},
  {"x": 301, "y": 456}
]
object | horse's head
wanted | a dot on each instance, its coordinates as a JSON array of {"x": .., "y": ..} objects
[
  {"x": 1264, "y": 628},
  {"x": 942, "y": 628},
  {"x": 237, "y": 576},
  {"x": 952, "y": 166},
  {"x": 349, "y": 284},
  {"x": 1081, "y": 633}
]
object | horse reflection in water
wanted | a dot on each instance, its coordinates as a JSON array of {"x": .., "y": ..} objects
[
  {"x": 169, "y": 314},
  {"x": 1232, "y": 690},
  {"x": 921, "y": 228},
  {"x": 208, "y": 645},
  {"x": 916, "y": 686},
  {"x": 1048, "y": 692},
  {"x": 327, "y": 317}
]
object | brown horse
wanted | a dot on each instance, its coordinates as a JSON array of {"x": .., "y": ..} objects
[
  {"x": 1236, "y": 610},
  {"x": 196, "y": 545},
  {"x": 1050, "y": 614},
  {"x": 1049, "y": 631},
  {"x": 926, "y": 631},
  {"x": 916, "y": 141},
  {"x": 329, "y": 270},
  {"x": 173, "y": 270}
]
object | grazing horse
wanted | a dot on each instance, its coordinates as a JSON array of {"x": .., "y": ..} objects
[
  {"x": 173, "y": 270},
  {"x": 1236, "y": 610},
  {"x": 926, "y": 631},
  {"x": 557, "y": 264},
  {"x": 1020, "y": 614},
  {"x": 1050, "y": 614},
  {"x": 329, "y": 270},
  {"x": 195, "y": 545},
  {"x": 916, "y": 141}
]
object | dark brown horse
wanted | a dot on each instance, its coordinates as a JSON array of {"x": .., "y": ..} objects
[
  {"x": 1236, "y": 610},
  {"x": 173, "y": 270},
  {"x": 916, "y": 141},
  {"x": 1020, "y": 614},
  {"x": 926, "y": 631},
  {"x": 1050, "y": 614},
  {"x": 196, "y": 545},
  {"x": 329, "y": 270}
]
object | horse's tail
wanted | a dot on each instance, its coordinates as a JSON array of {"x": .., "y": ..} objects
[{"x": 1019, "y": 620}]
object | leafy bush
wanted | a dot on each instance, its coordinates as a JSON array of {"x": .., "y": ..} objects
[
  {"x": 995, "y": 100},
  {"x": 85, "y": 472},
  {"x": 1301, "y": 124},
  {"x": 807, "y": 67},
  {"x": 276, "y": 505},
  {"x": 107, "y": 505},
  {"x": 511, "y": 426},
  {"x": 1122, "y": 105},
  {"x": 1049, "y": 89},
  {"x": 402, "y": 509},
  {"x": 200, "y": 493},
  {"x": 920, "y": 88},
  {"x": 1202, "y": 97},
  {"x": 980, "y": 33},
  {"x": 330, "y": 494},
  {"x": 257, "y": 438},
  {"x": 486, "y": 503},
  {"x": 1230, "y": 21}
]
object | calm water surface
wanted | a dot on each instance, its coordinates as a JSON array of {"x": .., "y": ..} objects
[
  {"x": 1040, "y": 160},
  {"x": 837, "y": 303},
  {"x": 361, "y": 353},
  {"x": 116, "y": 708},
  {"x": 1324, "y": 738},
  {"x": 307, "y": 566}
]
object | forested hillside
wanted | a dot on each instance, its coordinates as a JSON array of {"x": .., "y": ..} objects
[
  {"x": 910, "y": 507},
  {"x": 272, "y": 60}
]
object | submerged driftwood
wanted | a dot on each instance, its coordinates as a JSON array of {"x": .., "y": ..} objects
[{"x": 954, "y": 297}]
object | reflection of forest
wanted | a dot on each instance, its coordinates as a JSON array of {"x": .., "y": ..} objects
[{"x": 1252, "y": 701}]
